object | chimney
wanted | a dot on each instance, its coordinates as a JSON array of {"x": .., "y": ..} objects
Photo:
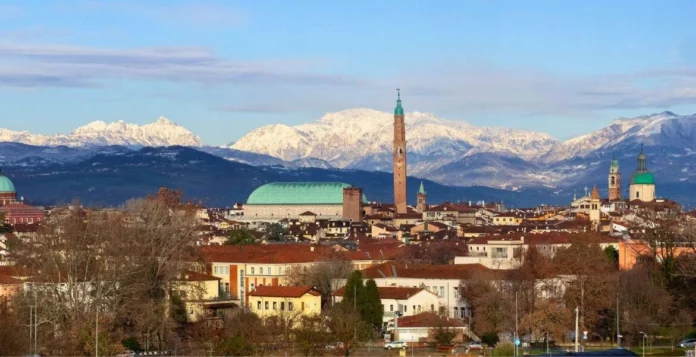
[{"x": 311, "y": 248}]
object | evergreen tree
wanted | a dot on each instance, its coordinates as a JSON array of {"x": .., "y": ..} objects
[
  {"x": 240, "y": 237},
  {"x": 354, "y": 289},
  {"x": 371, "y": 305}
]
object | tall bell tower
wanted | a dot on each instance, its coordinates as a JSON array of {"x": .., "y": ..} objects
[
  {"x": 399, "y": 156},
  {"x": 614, "y": 180}
]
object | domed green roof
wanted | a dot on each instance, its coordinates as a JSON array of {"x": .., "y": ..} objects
[
  {"x": 6, "y": 184},
  {"x": 299, "y": 193},
  {"x": 643, "y": 178}
]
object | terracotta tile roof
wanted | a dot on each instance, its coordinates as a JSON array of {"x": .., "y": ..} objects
[
  {"x": 414, "y": 215},
  {"x": 390, "y": 292},
  {"x": 428, "y": 319},
  {"x": 283, "y": 291},
  {"x": 420, "y": 271},
  {"x": 546, "y": 238}
]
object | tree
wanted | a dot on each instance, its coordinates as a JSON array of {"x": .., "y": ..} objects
[
  {"x": 117, "y": 266},
  {"x": 432, "y": 252},
  {"x": 348, "y": 327},
  {"x": 550, "y": 319},
  {"x": 276, "y": 232},
  {"x": 326, "y": 275},
  {"x": 310, "y": 336},
  {"x": 4, "y": 226},
  {"x": 12, "y": 330},
  {"x": 240, "y": 237},
  {"x": 353, "y": 289},
  {"x": 612, "y": 255},
  {"x": 490, "y": 303},
  {"x": 593, "y": 284},
  {"x": 371, "y": 306},
  {"x": 443, "y": 333}
]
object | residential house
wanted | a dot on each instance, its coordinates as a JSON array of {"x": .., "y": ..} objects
[
  {"x": 406, "y": 300},
  {"x": 422, "y": 328},
  {"x": 285, "y": 302},
  {"x": 506, "y": 251}
]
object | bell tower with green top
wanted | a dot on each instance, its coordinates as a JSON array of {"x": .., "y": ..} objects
[{"x": 399, "y": 156}]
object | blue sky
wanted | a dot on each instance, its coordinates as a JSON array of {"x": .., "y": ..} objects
[{"x": 222, "y": 68}]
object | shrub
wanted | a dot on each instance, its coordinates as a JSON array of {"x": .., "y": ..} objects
[{"x": 503, "y": 349}]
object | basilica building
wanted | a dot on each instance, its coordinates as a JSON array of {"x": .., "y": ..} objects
[{"x": 14, "y": 210}]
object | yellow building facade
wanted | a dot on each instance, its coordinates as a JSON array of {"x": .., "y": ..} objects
[{"x": 286, "y": 302}]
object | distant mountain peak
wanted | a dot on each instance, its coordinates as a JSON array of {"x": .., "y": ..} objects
[{"x": 162, "y": 132}]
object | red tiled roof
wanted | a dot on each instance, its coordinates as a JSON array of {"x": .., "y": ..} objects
[
  {"x": 283, "y": 291},
  {"x": 390, "y": 292},
  {"x": 395, "y": 270},
  {"x": 428, "y": 319},
  {"x": 545, "y": 238}
]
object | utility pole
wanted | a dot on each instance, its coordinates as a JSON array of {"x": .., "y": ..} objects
[
  {"x": 517, "y": 334},
  {"x": 577, "y": 329},
  {"x": 618, "y": 330},
  {"x": 31, "y": 329},
  {"x": 96, "y": 332}
]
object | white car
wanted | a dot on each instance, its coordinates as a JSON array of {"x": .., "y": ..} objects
[
  {"x": 474, "y": 346},
  {"x": 395, "y": 344}
]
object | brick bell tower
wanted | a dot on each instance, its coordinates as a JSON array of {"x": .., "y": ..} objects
[
  {"x": 614, "y": 180},
  {"x": 399, "y": 155}
]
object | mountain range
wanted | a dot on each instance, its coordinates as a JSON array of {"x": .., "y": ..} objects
[{"x": 446, "y": 152}]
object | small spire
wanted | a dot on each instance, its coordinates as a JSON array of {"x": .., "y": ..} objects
[
  {"x": 398, "y": 110},
  {"x": 422, "y": 188},
  {"x": 595, "y": 193}
]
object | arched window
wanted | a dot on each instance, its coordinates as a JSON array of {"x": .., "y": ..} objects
[{"x": 613, "y": 180}]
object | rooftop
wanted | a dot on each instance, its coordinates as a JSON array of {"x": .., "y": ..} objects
[
  {"x": 283, "y": 291},
  {"x": 299, "y": 193}
]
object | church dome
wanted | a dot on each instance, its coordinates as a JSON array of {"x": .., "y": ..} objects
[
  {"x": 299, "y": 193},
  {"x": 643, "y": 178},
  {"x": 6, "y": 184}
]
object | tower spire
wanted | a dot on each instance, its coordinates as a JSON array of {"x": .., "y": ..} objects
[{"x": 398, "y": 110}]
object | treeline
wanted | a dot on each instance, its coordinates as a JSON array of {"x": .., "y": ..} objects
[{"x": 657, "y": 296}]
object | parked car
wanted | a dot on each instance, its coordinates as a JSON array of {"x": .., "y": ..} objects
[
  {"x": 688, "y": 343},
  {"x": 335, "y": 346},
  {"x": 474, "y": 346},
  {"x": 395, "y": 344}
]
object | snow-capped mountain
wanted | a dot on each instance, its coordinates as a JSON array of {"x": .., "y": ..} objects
[
  {"x": 455, "y": 152},
  {"x": 162, "y": 132},
  {"x": 663, "y": 129},
  {"x": 362, "y": 138}
]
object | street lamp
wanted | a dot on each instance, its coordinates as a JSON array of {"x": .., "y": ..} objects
[{"x": 645, "y": 337}]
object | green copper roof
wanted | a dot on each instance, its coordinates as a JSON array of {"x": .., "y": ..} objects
[
  {"x": 6, "y": 184},
  {"x": 421, "y": 189},
  {"x": 614, "y": 162},
  {"x": 398, "y": 110},
  {"x": 643, "y": 178},
  {"x": 299, "y": 193}
]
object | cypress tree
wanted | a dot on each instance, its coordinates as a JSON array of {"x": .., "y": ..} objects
[
  {"x": 372, "y": 305},
  {"x": 353, "y": 290}
]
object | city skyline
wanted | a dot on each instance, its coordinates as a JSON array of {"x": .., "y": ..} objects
[{"x": 223, "y": 68}]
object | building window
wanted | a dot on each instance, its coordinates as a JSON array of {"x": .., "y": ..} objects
[
  {"x": 442, "y": 291},
  {"x": 391, "y": 307},
  {"x": 275, "y": 305},
  {"x": 253, "y": 286},
  {"x": 456, "y": 311},
  {"x": 282, "y": 306},
  {"x": 227, "y": 288},
  {"x": 266, "y": 305},
  {"x": 637, "y": 194},
  {"x": 290, "y": 307},
  {"x": 258, "y": 305},
  {"x": 252, "y": 270},
  {"x": 405, "y": 308},
  {"x": 280, "y": 271},
  {"x": 261, "y": 271},
  {"x": 432, "y": 307}
]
